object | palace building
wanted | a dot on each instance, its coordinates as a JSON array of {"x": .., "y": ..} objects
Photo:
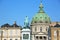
[
  {"x": 41, "y": 28},
  {"x": 10, "y": 32},
  {"x": 55, "y": 32}
]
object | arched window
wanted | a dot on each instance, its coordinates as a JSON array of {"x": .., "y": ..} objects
[
  {"x": 40, "y": 37},
  {"x": 36, "y": 37}
]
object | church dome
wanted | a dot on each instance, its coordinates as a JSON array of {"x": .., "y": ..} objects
[{"x": 41, "y": 16}]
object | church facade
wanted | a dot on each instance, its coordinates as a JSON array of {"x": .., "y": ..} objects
[
  {"x": 40, "y": 25},
  {"x": 41, "y": 28}
]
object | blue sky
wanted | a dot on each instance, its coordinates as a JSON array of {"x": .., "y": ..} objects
[{"x": 16, "y": 10}]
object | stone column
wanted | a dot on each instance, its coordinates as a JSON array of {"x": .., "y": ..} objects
[
  {"x": 35, "y": 38},
  {"x": 38, "y": 37},
  {"x": 42, "y": 37},
  {"x": 47, "y": 38}
]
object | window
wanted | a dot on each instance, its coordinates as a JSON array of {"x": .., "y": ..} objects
[
  {"x": 17, "y": 31},
  {"x": 44, "y": 37},
  {"x": 11, "y": 33},
  {"x": 4, "y": 39},
  {"x": 5, "y": 33},
  {"x": 40, "y": 29},
  {"x": 55, "y": 33},
  {"x": 25, "y": 36},
  {"x": 40, "y": 37},
  {"x": 36, "y": 37}
]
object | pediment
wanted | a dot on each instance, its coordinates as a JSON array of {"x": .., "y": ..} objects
[{"x": 40, "y": 33}]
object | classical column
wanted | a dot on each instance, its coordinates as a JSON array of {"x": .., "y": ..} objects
[
  {"x": 38, "y": 38},
  {"x": 42, "y": 37},
  {"x": 46, "y": 37},
  {"x": 35, "y": 38}
]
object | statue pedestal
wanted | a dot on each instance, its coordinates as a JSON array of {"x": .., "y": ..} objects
[{"x": 26, "y": 34}]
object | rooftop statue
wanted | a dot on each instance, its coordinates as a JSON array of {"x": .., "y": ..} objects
[{"x": 26, "y": 22}]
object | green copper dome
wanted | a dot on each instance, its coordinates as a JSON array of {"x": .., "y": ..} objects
[{"x": 41, "y": 16}]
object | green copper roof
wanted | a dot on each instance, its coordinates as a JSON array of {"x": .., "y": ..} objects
[{"x": 41, "y": 16}]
